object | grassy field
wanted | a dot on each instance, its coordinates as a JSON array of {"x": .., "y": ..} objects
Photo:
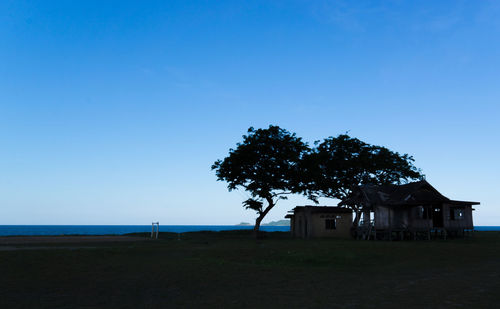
[{"x": 231, "y": 269}]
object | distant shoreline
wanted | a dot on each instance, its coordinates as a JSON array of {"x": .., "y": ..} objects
[
  {"x": 272, "y": 223},
  {"x": 56, "y": 230}
]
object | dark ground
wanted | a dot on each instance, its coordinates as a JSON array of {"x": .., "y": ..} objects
[{"x": 231, "y": 269}]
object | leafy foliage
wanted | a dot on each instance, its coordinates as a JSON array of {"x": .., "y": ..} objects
[
  {"x": 253, "y": 204},
  {"x": 339, "y": 164},
  {"x": 266, "y": 164}
]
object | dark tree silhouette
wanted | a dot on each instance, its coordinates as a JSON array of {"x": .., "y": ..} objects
[
  {"x": 265, "y": 164},
  {"x": 339, "y": 164}
]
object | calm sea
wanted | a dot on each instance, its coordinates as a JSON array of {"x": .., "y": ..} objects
[{"x": 10, "y": 230}]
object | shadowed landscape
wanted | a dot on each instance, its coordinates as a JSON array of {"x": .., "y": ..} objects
[
  {"x": 232, "y": 269},
  {"x": 353, "y": 142}
]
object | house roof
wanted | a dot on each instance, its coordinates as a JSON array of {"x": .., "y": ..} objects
[
  {"x": 415, "y": 193},
  {"x": 322, "y": 209}
]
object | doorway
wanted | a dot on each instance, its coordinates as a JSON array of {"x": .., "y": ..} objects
[{"x": 437, "y": 216}]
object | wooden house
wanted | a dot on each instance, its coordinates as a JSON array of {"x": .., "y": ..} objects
[
  {"x": 408, "y": 211},
  {"x": 320, "y": 221}
]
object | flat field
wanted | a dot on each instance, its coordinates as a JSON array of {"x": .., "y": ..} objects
[{"x": 233, "y": 270}]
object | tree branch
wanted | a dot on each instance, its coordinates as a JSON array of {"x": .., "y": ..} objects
[{"x": 281, "y": 193}]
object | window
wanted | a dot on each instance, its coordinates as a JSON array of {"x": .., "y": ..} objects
[
  {"x": 456, "y": 214},
  {"x": 330, "y": 224},
  {"x": 423, "y": 212},
  {"x": 420, "y": 212}
]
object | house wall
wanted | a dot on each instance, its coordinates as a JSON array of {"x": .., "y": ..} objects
[
  {"x": 343, "y": 225},
  {"x": 307, "y": 224},
  {"x": 404, "y": 218},
  {"x": 415, "y": 222},
  {"x": 382, "y": 217},
  {"x": 457, "y": 224},
  {"x": 409, "y": 218},
  {"x": 399, "y": 218},
  {"x": 298, "y": 229}
]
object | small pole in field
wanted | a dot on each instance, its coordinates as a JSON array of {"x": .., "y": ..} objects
[{"x": 153, "y": 229}]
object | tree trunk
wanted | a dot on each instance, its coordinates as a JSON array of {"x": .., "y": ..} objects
[
  {"x": 357, "y": 217},
  {"x": 256, "y": 228}
]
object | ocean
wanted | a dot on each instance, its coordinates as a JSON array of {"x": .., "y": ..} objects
[
  {"x": 487, "y": 228},
  {"x": 12, "y": 230}
]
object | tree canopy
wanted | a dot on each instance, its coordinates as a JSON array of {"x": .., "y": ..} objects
[
  {"x": 265, "y": 164},
  {"x": 339, "y": 164},
  {"x": 272, "y": 163}
]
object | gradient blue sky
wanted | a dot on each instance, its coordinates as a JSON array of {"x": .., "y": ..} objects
[{"x": 111, "y": 112}]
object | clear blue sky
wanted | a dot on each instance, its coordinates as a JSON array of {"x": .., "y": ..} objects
[{"x": 111, "y": 112}]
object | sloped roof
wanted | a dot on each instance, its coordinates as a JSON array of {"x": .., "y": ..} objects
[
  {"x": 420, "y": 192},
  {"x": 321, "y": 209}
]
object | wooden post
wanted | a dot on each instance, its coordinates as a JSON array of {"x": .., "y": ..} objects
[{"x": 153, "y": 229}]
